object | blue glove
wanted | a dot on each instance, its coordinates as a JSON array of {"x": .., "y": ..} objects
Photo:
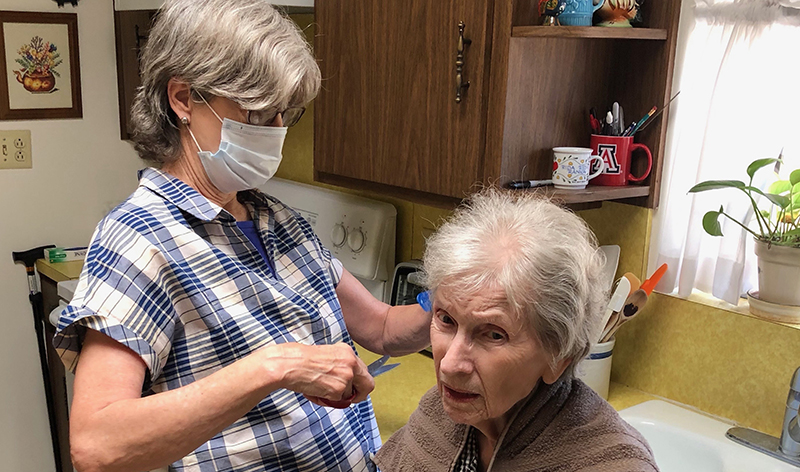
[{"x": 424, "y": 300}]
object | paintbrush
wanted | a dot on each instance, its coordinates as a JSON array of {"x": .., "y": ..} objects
[{"x": 652, "y": 118}]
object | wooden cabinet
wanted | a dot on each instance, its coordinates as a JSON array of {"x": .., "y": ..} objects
[
  {"x": 130, "y": 31},
  {"x": 387, "y": 117}
]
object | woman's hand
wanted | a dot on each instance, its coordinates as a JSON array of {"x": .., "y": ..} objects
[{"x": 322, "y": 372}]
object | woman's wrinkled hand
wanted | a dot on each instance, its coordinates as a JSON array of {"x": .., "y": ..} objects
[{"x": 328, "y": 375}]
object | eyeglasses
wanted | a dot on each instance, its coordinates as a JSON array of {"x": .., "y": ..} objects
[{"x": 290, "y": 116}]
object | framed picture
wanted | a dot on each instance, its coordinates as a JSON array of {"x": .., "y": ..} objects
[{"x": 41, "y": 68}]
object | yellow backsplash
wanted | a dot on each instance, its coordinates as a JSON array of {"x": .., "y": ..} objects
[
  {"x": 724, "y": 363},
  {"x": 721, "y": 362}
]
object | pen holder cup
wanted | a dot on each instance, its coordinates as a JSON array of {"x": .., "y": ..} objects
[
  {"x": 617, "y": 153},
  {"x": 595, "y": 369}
]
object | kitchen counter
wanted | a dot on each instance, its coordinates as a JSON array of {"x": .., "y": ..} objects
[
  {"x": 398, "y": 391},
  {"x": 59, "y": 271}
]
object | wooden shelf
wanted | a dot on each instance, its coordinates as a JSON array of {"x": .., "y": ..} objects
[
  {"x": 594, "y": 193},
  {"x": 595, "y": 32}
]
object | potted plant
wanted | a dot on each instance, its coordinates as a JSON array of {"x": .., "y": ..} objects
[{"x": 776, "y": 230}]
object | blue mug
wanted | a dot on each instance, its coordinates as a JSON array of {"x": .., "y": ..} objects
[{"x": 579, "y": 12}]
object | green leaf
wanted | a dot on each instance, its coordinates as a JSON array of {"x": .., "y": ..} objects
[
  {"x": 717, "y": 184},
  {"x": 758, "y": 164},
  {"x": 711, "y": 222},
  {"x": 794, "y": 177},
  {"x": 765, "y": 214},
  {"x": 794, "y": 232},
  {"x": 779, "y": 186},
  {"x": 779, "y": 200}
]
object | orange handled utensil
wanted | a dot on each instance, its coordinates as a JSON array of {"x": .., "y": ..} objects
[{"x": 649, "y": 284}]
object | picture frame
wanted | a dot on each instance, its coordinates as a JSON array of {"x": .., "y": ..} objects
[{"x": 40, "y": 66}]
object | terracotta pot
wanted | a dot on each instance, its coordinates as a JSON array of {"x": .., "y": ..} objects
[
  {"x": 37, "y": 82},
  {"x": 778, "y": 274}
]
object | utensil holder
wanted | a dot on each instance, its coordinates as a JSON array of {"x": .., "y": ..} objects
[{"x": 595, "y": 369}]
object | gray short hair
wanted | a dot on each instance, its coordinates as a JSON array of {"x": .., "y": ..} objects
[
  {"x": 543, "y": 257},
  {"x": 243, "y": 50}
]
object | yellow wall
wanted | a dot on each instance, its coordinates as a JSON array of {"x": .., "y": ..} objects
[{"x": 721, "y": 362}]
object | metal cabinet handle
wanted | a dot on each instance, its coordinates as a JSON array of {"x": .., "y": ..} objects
[{"x": 462, "y": 42}]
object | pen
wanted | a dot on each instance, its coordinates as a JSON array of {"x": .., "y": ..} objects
[
  {"x": 629, "y": 128},
  {"x": 594, "y": 124},
  {"x": 518, "y": 184},
  {"x": 641, "y": 122}
]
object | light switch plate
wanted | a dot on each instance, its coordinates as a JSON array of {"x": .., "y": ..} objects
[{"x": 15, "y": 149}]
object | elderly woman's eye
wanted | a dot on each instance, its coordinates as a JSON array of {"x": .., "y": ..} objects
[
  {"x": 445, "y": 318},
  {"x": 496, "y": 336}
]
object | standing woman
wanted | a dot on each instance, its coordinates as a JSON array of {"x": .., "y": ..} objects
[{"x": 210, "y": 325}]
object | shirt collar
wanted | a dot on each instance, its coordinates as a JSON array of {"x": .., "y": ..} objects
[
  {"x": 180, "y": 194},
  {"x": 190, "y": 200}
]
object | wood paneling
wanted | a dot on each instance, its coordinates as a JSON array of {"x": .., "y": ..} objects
[
  {"x": 387, "y": 111},
  {"x": 552, "y": 83}
]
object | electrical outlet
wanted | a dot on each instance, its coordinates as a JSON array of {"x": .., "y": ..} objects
[{"x": 15, "y": 149}]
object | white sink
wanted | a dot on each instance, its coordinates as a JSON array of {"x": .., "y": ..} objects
[{"x": 685, "y": 441}]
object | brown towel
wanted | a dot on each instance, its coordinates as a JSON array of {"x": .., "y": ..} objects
[{"x": 562, "y": 427}]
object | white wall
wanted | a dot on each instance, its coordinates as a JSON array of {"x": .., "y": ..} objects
[{"x": 81, "y": 170}]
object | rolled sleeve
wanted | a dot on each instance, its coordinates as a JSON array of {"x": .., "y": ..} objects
[
  {"x": 72, "y": 327},
  {"x": 120, "y": 295}
]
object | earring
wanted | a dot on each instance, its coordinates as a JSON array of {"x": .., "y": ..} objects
[{"x": 185, "y": 120}]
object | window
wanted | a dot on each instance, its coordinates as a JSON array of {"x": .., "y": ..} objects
[{"x": 738, "y": 70}]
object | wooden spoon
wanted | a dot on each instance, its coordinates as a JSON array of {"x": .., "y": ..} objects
[
  {"x": 635, "y": 282},
  {"x": 633, "y": 305}
]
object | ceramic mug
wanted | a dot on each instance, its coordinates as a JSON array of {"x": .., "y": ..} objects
[
  {"x": 578, "y": 13},
  {"x": 617, "y": 13},
  {"x": 616, "y": 153},
  {"x": 571, "y": 167}
]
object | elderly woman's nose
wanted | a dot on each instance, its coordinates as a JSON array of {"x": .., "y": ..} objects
[{"x": 457, "y": 357}]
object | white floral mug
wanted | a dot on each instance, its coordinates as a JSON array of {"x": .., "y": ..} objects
[{"x": 572, "y": 165}]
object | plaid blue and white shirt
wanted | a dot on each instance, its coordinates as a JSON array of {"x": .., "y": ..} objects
[{"x": 171, "y": 276}]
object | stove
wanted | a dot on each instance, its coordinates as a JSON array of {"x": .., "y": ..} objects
[{"x": 358, "y": 231}]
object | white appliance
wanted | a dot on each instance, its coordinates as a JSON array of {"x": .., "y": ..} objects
[{"x": 358, "y": 231}]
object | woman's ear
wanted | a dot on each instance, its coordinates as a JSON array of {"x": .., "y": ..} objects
[
  {"x": 553, "y": 373},
  {"x": 180, "y": 98}
]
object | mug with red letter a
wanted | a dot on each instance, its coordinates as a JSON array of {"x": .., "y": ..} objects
[{"x": 617, "y": 153}]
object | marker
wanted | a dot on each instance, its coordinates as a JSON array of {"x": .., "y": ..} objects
[
  {"x": 608, "y": 128},
  {"x": 518, "y": 184}
]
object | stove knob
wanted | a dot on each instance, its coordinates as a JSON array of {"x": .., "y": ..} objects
[
  {"x": 356, "y": 240},
  {"x": 338, "y": 235}
]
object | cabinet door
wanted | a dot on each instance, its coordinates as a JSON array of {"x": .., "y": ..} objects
[
  {"x": 130, "y": 29},
  {"x": 387, "y": 111}
]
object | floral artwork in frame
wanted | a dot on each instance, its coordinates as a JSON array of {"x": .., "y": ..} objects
[{"x": 41, "y": 78}]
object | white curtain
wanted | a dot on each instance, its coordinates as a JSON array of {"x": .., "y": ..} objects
[{"x": 738, "y": 71}]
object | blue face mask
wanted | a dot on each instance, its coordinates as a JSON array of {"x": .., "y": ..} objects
[{"x": 247, "y": 158}]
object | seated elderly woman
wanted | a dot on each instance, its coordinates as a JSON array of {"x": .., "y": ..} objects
[{"x": 517, "y": 297}]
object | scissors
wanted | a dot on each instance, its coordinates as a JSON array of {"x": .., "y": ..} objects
[{"x": 375, "y": 369}]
